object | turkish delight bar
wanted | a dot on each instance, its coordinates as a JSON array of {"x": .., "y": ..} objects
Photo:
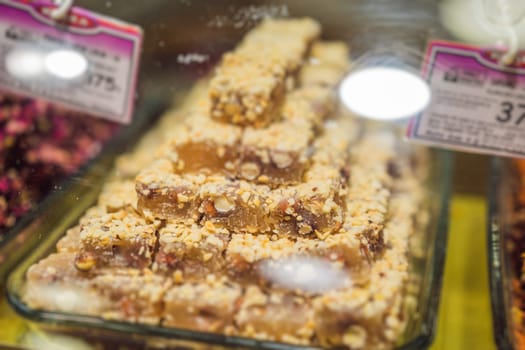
[
  {"x": 264, "y": 315},
  {"x": 188, "y": 249},
  {"x": 116, "y": 195},
  {"x": 119, "y": 239},
  {"x": 163, "y": 194},
  {"x": 250, "y": 83},
  {"x": 204, "y": 145},
  {"x": 208, "y": 305},
  {"x": 279, "y": 154},
  {"x": 326, "y": 64},
  {"x": 123, "y": 294}
]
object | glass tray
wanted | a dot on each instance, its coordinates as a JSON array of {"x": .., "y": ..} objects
[
  {"x": 503, "y": 185},
  {"x": 396, "y": 28},
  {"x": 420, "y": 328}
]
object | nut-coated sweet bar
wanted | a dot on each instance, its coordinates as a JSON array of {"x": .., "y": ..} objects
[
  {"x": 119, "y": 239},
  {"x": 250, "y": 83},
  {"x": 123, "y": 294}
]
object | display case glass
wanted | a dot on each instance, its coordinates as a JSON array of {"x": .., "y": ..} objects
[{"x": 251, "y": 202}]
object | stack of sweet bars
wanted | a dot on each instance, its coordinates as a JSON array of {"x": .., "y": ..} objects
[{"x": 262, "y": 213}]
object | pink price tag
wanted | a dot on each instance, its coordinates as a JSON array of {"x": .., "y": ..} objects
[
  {"x": 85, "y": 62},
  {"x": 477, "y": 104}
]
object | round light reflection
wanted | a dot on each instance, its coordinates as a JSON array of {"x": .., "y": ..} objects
[
  {"x": 306, "y": 273},
  {"x": 66, "y": 64},
  {"x": 384, "y": 93},
  {"x": 24, "y": 63}
]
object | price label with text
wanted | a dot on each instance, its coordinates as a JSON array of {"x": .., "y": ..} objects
[
  {"x": 85, "y": 61},
  {"x": 477, "y": 104}
]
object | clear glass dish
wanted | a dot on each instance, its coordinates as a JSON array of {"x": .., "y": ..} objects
[
  {"x": 375, "y": 31},
  {"x": 428, "y": 268},
  {"x": 503, "y": 265}
]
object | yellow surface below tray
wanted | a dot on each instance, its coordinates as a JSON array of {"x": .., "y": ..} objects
[{"x": 464, "y": 315}]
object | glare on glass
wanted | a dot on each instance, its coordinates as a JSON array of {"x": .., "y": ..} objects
[{"x": 384, "y": 93}]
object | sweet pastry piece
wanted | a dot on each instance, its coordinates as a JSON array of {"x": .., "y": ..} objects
[
  {"x": 119, "y": 239},
  {"x": 208, "y": 305},
  {"x": 189, "y": 250},
  {"x": 279, "y": 154},
  {"x": 267, "y": 316},
  {"x": 250, "y": 83},
  {"x": 248, "y": 255},
  {"x": 123, "y": 294},
  {"x": 204, "y": 145},
  {"x": 370, "y": 189},
  {"x": 327, "y": 62},
  {"x": 56, "y": 275},
  {"x": 163, "y": 194},
  {"x": 71, "y": 241}
]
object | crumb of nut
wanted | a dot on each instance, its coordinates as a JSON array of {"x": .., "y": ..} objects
[
  {"x": 221, "y": 151},
  {"x": 85, "y": 262},
  {"x": 223, "y": 204},
  {"x": 355, "y": 337},
  {"x": 305, "y": 229},
  {"x": 264, "y": 179},
  {"x": 281, "y": 159},
  {"x": 229, "y": 165},
  {"x": 250, "y": 170},
  {"x": 178, "y": 277},
  {"x": 182, "y": 198},
  {"x": 210, "y": 226}
]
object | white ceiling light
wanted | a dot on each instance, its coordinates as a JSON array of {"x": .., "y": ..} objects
[{"x": 384, "y": 93}]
